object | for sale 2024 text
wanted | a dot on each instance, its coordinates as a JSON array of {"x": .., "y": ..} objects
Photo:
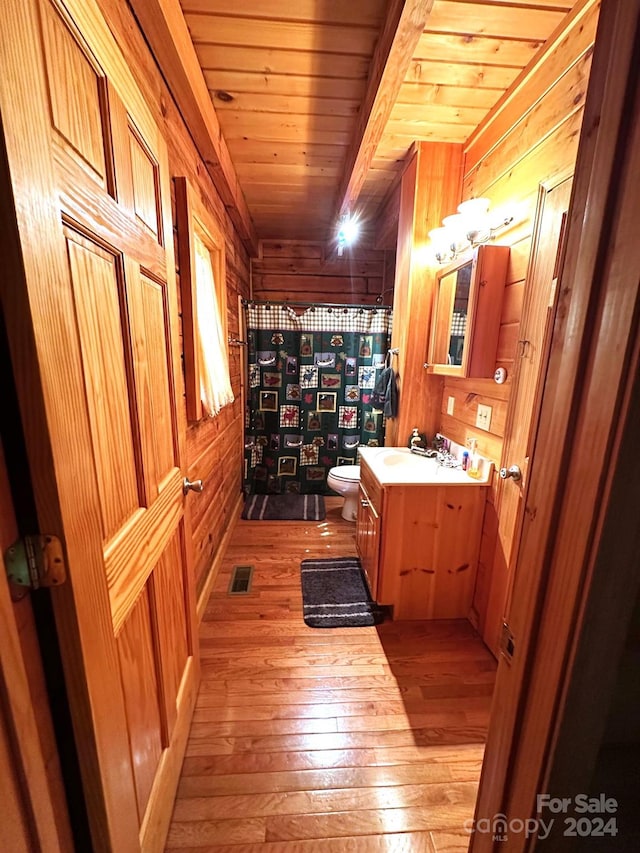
[{"x": 584, "y": 816}]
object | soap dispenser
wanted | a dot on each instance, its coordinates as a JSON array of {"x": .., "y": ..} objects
[{"x": 417, "y": 439}]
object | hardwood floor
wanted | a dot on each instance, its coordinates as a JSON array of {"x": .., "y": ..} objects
[{"x": 327, "y": 740}]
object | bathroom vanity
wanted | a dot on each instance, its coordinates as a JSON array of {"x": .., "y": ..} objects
[{"x": 418, "y": 532}]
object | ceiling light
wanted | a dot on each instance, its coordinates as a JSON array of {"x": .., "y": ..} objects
[{"x": 347, "y": 231}]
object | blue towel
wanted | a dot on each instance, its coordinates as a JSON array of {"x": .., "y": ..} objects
[{"x": 385, "y": 393}]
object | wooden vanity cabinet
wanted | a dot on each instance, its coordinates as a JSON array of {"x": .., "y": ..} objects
[
  {"x": 368, "y": 529},
  {"x": 419, "y": 545}
]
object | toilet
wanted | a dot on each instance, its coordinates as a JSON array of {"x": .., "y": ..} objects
[{"x": 345, "y": 480}]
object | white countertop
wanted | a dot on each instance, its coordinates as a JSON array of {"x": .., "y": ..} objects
[{"x": 398, "y": 466}]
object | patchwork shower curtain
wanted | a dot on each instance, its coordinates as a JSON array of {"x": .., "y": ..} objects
[{"x": 311, "y": 376}]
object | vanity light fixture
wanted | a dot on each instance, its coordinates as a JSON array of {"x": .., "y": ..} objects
[{"x": 469, "y": 227}]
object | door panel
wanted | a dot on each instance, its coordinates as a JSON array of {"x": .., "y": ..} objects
[
  {"x": 76, "y": 110},
  {"x": 152, "y": 355},
  {"x": 96, "y": 276},
  {"x": 102, "y": 321},
  {"x": 168, "y": 606},
  {"x": 140, "y": 683},
  {"x": 133, "y": 554},
  {"x": 146, "y": 192}
]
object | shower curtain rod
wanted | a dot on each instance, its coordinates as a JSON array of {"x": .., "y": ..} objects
[{"x": 295, "y": 303}]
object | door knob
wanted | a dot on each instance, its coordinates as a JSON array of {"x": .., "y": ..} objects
[
  {"x": 513, "y": 471},
  {"x": 192, "y": 485}
]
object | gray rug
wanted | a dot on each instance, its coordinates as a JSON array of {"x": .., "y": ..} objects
[
  {"x": 335, "y": 594},
  {"x": 284, "y": 508}
]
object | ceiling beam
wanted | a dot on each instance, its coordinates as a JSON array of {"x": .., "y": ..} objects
[
  {"x": 404, "y": 24},
  {"x": 168, "y": 37}
]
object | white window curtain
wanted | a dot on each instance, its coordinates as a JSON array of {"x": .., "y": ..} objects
[{"x": 215, "y": 384}]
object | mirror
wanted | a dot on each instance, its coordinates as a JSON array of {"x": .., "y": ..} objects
[
  {"x": 466, "y": 313},
  {"x": 452, "y": 309}
]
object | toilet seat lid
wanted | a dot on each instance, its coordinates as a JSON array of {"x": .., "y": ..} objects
[{"x": 345, "y": 472}]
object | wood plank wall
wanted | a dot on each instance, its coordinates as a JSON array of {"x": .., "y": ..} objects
[
  {"x": 214, "y": 446},
  {"x": 287, "y": 270},
  {"x": 533, "y": 140}
]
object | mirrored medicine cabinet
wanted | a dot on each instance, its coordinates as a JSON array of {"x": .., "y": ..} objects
[{"x": 466, "y": 313}]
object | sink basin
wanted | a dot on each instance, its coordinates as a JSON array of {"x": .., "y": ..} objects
[
  {"x": 397, "y": 465},
  {"x": 398, "y": 456}
]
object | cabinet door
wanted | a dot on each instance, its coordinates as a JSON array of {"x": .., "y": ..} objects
[
  {"x": 368, "y": 540},
  {"x": 466, "y": 315}
]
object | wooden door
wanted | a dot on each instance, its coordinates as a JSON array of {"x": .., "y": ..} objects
[
  {"x": 577, "y": 572},
  {"x": 537, "y": 318},
  {"x": 91, "y": 312},
  {"x": 34, "y": 810}
]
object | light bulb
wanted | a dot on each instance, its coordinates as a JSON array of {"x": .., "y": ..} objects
[
  {"x": 348, "y": 232},
  {"x": 456, "y": 225},
  {"x": 474, "y": 208},
  {"x": 441, "y": 243}
]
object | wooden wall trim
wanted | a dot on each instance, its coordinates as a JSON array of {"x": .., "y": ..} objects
[
  {"x": 186, "y": 261},
  {"x": 571, "y": 41},
  {"x": 193, "y": 219},
  {"x": 166, "y": 32},
  {"x": 386, "y": 224},
  {"x": 214, "y": 568},
  {"x": 430, "y": 189},
  {"x": 404, "y": 23}
]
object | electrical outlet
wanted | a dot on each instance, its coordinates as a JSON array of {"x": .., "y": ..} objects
[
  {"x": 483, "y": 417},
  {"x": 450, "y": 405}
]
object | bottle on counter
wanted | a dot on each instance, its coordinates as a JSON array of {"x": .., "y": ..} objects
[
  {"x": 474, "y": 462},
  {"x": 465, "y": 460}
]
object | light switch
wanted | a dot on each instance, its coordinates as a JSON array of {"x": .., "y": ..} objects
[
  {"x": 483, "y": 417},
  {"x": 450, "y": 405}
]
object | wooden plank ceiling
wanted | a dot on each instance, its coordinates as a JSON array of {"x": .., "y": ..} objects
[{"x": 288, "y": 78}]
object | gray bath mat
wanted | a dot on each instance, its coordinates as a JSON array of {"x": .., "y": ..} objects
[
  {"x": 335, "y": 594},
  {"x": 284, "y": 508}
]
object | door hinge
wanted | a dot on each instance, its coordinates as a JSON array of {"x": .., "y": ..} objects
[
  {"x": 35, "y": 561},
  {"x": 507, "y": 642}
]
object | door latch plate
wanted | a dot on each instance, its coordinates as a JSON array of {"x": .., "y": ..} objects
[{"x": 36, "y": 561}]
